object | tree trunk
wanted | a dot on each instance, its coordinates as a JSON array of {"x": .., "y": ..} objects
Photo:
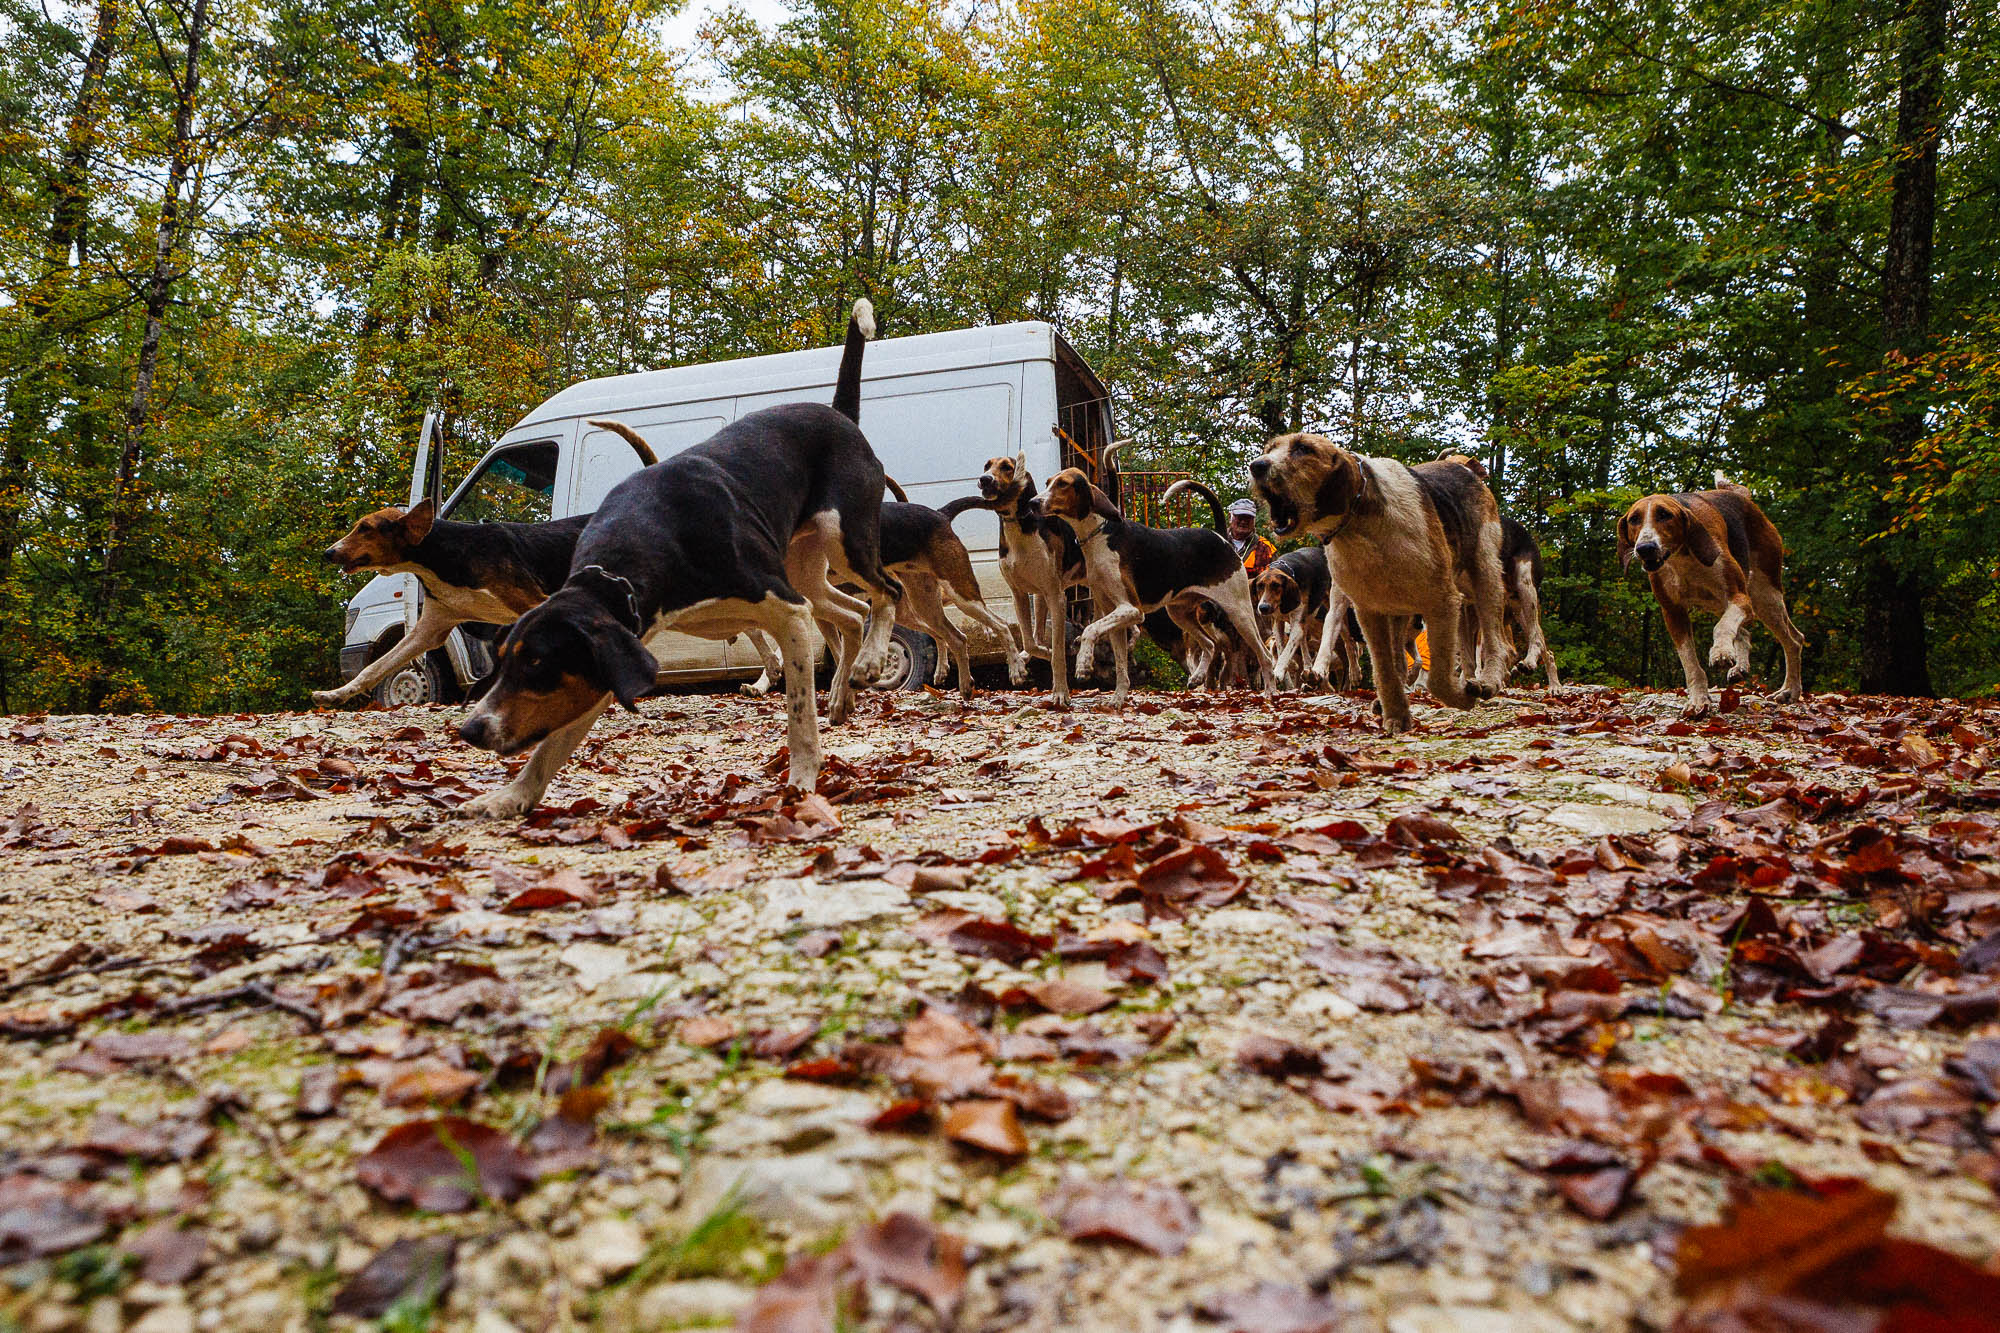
[
  {"x": 28, "y": 397},
  {"x": 159, "y": 288},
  {"x": 1894, "y": 649}
]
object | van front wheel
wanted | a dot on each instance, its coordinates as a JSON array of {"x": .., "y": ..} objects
[
  {"x": 423, "y": 681},
  {"x": 908, "y": 662}
]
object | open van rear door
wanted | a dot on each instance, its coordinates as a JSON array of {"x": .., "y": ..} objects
[{"x": 427, "y": 477}]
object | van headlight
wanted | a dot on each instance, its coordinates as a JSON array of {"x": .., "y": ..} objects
[{"x": 353, "y": 614}]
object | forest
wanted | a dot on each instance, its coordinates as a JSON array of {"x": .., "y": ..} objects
[{"x": 245, "y": 245}]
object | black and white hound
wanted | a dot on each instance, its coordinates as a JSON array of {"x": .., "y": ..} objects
[{"x": 1134, "y": 569}]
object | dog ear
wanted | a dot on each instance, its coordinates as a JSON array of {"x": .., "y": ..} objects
[
  {"x": 417, "y": 519},
  {"x": 478, "y": 688},
  {"x": 628, "y": 670},
  {"x": 1100, "y": 504},
  {"x": 1698, "y": 540},
  {"x": 1625, "y": 551}
]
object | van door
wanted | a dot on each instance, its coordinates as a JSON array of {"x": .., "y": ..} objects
[
  {"x": 513, "y": 484},
  {"x": 604, "y": 459}
]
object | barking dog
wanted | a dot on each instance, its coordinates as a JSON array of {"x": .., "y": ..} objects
[
  {"x": 1400, "y": 541},
  {"x": 1714, "y": 551},
  {"x": 739, "y": 532},
  {"x": 477, "y": 573},
  {"x": 1133, "y": 569}
]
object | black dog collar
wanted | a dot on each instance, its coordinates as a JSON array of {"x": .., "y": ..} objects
[{"x": 623, "y": 592}]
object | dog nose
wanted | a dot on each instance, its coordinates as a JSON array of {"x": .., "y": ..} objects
[
  {"x": 331, "y": 555},
  {"x": 1263, "y": 608},
  {"x": 473, "y": 731},
  {"x": 1258, "y": 467}
]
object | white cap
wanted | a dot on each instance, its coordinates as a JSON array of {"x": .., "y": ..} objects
[{"x": 1248, "y": 507}]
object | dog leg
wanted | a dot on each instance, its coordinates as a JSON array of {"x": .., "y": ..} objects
[
  {"x": 774, "y": 666},
  {"x": 923, "y": 600},
  {"x": 843, "y": 617},
  {"x": 433, "y": 627},
  {"x": 1234, "y": 599},
  {"x": 1489, "y": 605},
  {"x": 1384, "y": 636},
  {"x": 1026, "y": 623},
  {"x": 792, "y": 626},
  {"x": 1771, "y": 609},
  {"x": 1058, "y": 613},
  {"x": 1294, "y": 635},
  {"x": 1120, "y": 619},
  {"x": 1329, "y": 631},
  {"x": 875, "y": 638},
  {"x": 1538, "y": 645},
  {"x": 1017, "y": 660},
  {"x": 1731, "y": 646},
  {"x": 1682, "y": 633},
  {"x": 525, "y": 791},
  {"x": 1447, "y": 674}
]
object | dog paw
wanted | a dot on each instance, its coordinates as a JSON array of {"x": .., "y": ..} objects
[
  {"x": 1731, "y": 658},
  {"x": 1479, "y": 689},
  {"x": 503, "y": 804},
  {"x": 1395, "y": 724},
  {"x": 1017, "y": 670},
  {"x": 1786, "y": 695},
  {"x": 330, "y": 698},
  {"x": 753, "y": 689},
  {"x": 1698, "y": 705}
]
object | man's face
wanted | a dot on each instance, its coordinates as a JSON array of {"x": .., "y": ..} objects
[{"x": 1241, "y": 526}]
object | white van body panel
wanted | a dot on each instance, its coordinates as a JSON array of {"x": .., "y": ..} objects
[{"x": 934, "y": 407}]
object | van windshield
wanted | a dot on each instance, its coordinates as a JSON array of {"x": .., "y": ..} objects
[{"x": 516, "y": 485}]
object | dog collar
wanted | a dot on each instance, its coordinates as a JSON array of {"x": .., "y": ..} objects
[
  {"x": 625, "y": 586},
  {"x": 1367, "y": 480}
]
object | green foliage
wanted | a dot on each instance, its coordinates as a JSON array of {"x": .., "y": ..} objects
[{"x": 1608, "y": 250}]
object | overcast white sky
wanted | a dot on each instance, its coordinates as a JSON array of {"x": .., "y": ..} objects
[{"x": 681, "y": 28}]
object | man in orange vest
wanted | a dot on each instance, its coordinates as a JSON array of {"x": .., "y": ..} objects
[{"x": 1256, "y": 552}]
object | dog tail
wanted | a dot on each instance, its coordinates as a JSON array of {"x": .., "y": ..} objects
[
  {"x": 1214, "y": 501},
  {"x": 894, "y": 489},
  {"x": 1723, "y": 483},
  {"x": 631, "y": 437},
  {"x": 953, "y": 508},
  {"x": 847, "y": 387}
]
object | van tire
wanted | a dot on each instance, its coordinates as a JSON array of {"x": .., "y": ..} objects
[
  {"x": 427, "y": 680},
  {"x": 908, "y": 663}
]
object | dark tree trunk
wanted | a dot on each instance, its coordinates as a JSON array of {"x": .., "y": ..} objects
[
  {"x": 29, "y": 396},
  {"x": 159, "y": 290},
  {"x": 1894, "y": 647}
]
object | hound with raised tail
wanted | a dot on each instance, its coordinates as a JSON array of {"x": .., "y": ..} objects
[
  {"x": 1133, "y": 569},
  {"x": 1400, "y": 541},
  {"x": 1714, "y": 551},
  {"x": 743, "y": 531}
]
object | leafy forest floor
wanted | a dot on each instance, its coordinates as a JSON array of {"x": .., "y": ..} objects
[{"x": 1202, "y": 1016}]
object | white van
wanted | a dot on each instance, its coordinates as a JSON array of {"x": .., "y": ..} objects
[{"x": 935, "y": 407}]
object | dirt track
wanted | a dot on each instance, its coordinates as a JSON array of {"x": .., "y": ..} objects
[{"x": 1449, "y": 1032}]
